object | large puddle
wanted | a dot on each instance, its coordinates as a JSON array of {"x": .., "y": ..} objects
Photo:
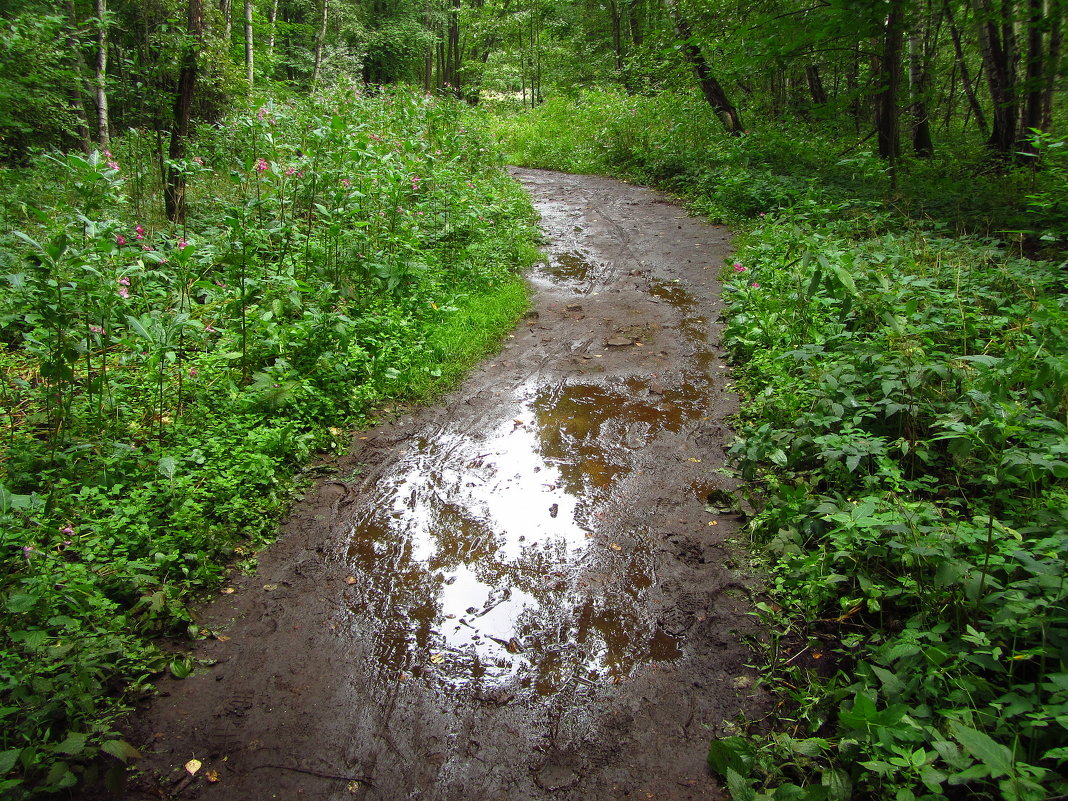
[{"x": 479, "y": 559}]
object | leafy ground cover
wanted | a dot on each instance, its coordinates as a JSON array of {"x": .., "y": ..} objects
[
  {"x": 162, "y": 385},
  {"x": 906, "y": 376}
]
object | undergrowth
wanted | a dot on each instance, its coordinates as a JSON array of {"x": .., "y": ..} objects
[
  {"x": 162, "y": 384},
  {"x": 904, "y": 436}
]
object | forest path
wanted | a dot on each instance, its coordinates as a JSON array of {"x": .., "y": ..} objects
[{"x": 516, "y": 593}]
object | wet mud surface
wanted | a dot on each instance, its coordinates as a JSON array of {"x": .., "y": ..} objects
[{"x": 518, "y": 593}]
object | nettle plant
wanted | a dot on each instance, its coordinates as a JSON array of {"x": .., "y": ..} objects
[{"x": 907, "y": 433}]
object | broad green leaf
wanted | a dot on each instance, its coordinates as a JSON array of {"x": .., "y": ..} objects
[
  {"x": 730, "y": 753},
  {"x": 983, "y": 747},
  {"x": 8, "y": 759},
  {"x": 60, "y": 777},
  {"x": 120, "y": 749},
  {"x": 839, "y": 787},
  {"x": 21, "y": 602},
  {"x": 74, "y": 744}
]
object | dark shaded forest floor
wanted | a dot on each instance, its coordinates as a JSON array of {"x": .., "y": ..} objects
[{"x": 521, "y": 591}]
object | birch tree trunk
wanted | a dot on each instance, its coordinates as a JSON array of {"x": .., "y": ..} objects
[
  {"x": 227, "y": 8},
  {"x": 249, "y": 55},
  {"x": 103, "y": 133}
]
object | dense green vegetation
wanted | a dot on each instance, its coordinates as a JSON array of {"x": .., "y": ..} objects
[
  {"x": 162, "y": 385},
  {"x": 904, "y": 437}
]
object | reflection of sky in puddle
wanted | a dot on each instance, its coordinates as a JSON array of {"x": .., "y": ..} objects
[{"x": 474, "y": 556}]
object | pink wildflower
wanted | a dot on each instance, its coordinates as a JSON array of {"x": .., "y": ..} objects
[
  {"x": 139, "y": 232},
  {"x": 198, "y": 161},
  {"x": 209, "y": 328},
  {"x": 124, "y": 281},
  {"x": 262, "y": 113},
  {"x": 68, "y": 530},
  {"x": 124, "y": 293},
  {"x": 756, "y": 285},
  {"x": 345, "y": 182},
  {"x": 738, "y": 268},
  {"x": 96, "y": 329},
  {"x": 182, "y": 244},
  {"x": 120, "y": 240},
  {"x": 192, "y": 372},
  {"x": 261, "y": 165}
]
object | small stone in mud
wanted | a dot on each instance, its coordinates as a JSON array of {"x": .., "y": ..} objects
[
  {"x": 555, "y": 777},
  {"x": 656, "y": 388},
  {"x": 573, "y": 307},
  {"x": 619, "y": 341}
]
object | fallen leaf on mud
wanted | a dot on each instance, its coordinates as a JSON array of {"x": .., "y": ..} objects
[
  {"x": 693, "y": 459},
  {"x": 228, "y": 590},
  {"x": 212, "y": 776},
  {"x": 615, "y": 546},
  {"x": 514, "y": 646},
  {"x": 350, "y": 579},
  {"x": 192, "y": 766},
  {"x": 222, "y": 638},
  {"x": 437, "y": 659},
  {"x": 713, "y": 522},
  {"x": 741, "y": 682},
  {"x": 270, "y": 587}
]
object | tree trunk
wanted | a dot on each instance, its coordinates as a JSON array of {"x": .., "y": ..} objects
[
  {"x": 1035, "y": 73},
  {"x": 272, "y": 23},
  {"x": 922, "y": 145},
  {"x": 320, "y": 38},
  {"x": 710, "y": 87},
  {"x": 452, "y": 51},
  {"x": 997, "y": 44},
  {"x": 887, "y": 119},
  {"x": 965, "y": 78},
  {"x": 227, "y": 9},
  {"x": 617, "y": 33},
  {"x": 1053, "y": 62},
  {"x": 103, "y": 133},
  {"x": 637, "y": 35},
  {"x": 78, "y": 88},
  {"x": 249, "y": 55},
  {"x": 815, "y": 85},
  {"x": 174, "y": 188}
]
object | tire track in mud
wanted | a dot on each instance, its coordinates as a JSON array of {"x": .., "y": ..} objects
[{"x": 517, "y": 593}]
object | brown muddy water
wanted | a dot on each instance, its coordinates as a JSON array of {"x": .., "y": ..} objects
[{"x": 518, "y": 593}]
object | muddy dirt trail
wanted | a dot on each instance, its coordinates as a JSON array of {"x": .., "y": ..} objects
[{"x": 517, "y": 593}]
